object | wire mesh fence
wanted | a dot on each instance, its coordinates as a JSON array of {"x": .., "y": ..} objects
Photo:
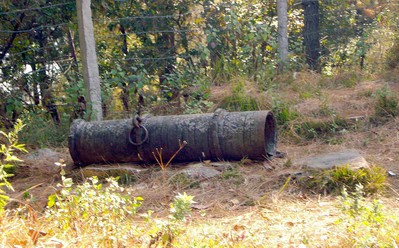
[{"x": 168, "y": 46}]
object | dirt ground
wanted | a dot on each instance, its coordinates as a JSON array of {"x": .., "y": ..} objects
[{"x": 256, "y": 188}]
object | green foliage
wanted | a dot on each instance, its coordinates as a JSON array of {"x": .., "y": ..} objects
[
  {"x": 43, "y": 132},
  {"x": 366, "y": 223},
  {"x": 392, "y": 55},
  {"x": 348, "y": 27},
  {"x": 181, "y": 180},
  {"x": 240, "y": 99},
  {"x": 8, "y": 159},
  {"x": 386, "y": 105},
  {"x": 181, "y": 206},
  {"x": 341, "y": 78},
  {"x": 233, "y": 175},
  {"x": 333, "y": 180},
  {"x": 239, "y": 103},
  {"x": 324, "y": 129},
  {"x": 163, "y": 233},
  {"x": 72, "y": 208},
  {"x": 283, "y": 112}
]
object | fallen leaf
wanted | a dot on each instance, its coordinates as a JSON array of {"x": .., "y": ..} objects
[
  {"x": 35, "y": 235},
  {"x": 289, "y": 223},
  {"x": 239, "y": 228}
]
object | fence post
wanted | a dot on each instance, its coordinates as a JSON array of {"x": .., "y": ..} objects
[{"x": 89, "y": 58}]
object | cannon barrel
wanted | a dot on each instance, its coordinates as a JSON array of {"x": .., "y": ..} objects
[{"x": 217, "y": 136}]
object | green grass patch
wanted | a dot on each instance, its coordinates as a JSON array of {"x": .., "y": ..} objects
[
  {"x": 325, "y": 129},
  {"x": 334, "y": 180}
]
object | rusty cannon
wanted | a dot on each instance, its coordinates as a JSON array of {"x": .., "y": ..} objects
[{"x": 217, "y": 136}]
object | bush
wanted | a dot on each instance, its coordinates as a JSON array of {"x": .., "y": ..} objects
[
  {"x": 43, "y": 132},
  {"x": 8, "y": 159},
  {"x": 320, "y": 129},
  {"x": 333, "y": 180},
  {"x": 386, "y": 105},
  {"x": 392, "y": 56},
  {"x": 366, "y": 223},
  {"x": 90, "y": 206},
  {"x": 240, "y": 99}
]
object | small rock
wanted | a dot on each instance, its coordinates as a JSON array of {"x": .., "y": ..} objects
[
  {"x": 45, "y": 154},
  {"x": 221, "y": 166},
  {"x": 391, "y": 173},
  {"x": 235, "y": 201},
  {"x": 199, "y": 171}
]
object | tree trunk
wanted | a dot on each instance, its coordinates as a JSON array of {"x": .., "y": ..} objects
[
  {"x": 311, "y": 33},
  {"x": 73, "y": 54},
  {"x": 282, "y": 16},
  {"x": 168, "y": 49},
  {"x": 13, "y": 36},
  {"x": 125, "y": 86},
  {"x": 44, "y": 81},
  {"x": 36, "y": 95}
]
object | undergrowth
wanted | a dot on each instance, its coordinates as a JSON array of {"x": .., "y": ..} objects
[
  {"x": 373, "y": 180},
  {"x": 386, "y": 106},
  {"x": 366, "y": 222},
  {"x": 43, "y": 132},
  {"x": 8, "y": 159}
]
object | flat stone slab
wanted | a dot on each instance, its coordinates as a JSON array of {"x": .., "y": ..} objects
[
  {"x": 44, "y": 154},
  {"x": 105, "y": 171},
  {"x": 352, "y": 158}
]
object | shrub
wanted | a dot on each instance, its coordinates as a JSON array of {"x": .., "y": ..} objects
[
  {"x": 91, "y": 208},
  {"x": 8, "y": 159},
  {"x": 240, "y": 99},
  {"x": 386, "y": 105},
  {"x": 392, "y": 55},
  {"x": 333, "y": 180},
  {"x": 283, "y": 112},
  {"x": 366, "y": 223},
  {"x": 325, "y": 129},
  {"x": 43, "y": 132}
]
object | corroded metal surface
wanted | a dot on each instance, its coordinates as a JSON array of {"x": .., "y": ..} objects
[{"x": 218, "y": 136}]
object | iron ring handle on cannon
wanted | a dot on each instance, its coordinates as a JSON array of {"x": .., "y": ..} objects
[{"x": 145, "y": 135}]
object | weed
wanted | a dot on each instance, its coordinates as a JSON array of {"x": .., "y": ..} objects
[
  {"x": 197, "y": 106},
  {"x": 181, "y": 206},
  {"x": 43, "y": 132},
  {"x": 233, "y": 175},
  {"x": 92, "y": 207},
  {"x": 325, "y": 109},
  {"x": 288, "y": 163},
  {"x": 392, "y": 56},
  {"x": 181, "y": 180},
  {"x": 158, "y": 157},
  {"x": 163, "y": 233},
  {"x": 320, "y": 129},
  {"x": 283, "y": 112},
  {"x": 386, "y": 105},
  {"x": 366, "y": 223},
  {"x": 8, "y": 159},
  {"x": 347, "y": 79},
  {"x": 240, "y": 100},
  {"x": 332, "y": 181}
]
